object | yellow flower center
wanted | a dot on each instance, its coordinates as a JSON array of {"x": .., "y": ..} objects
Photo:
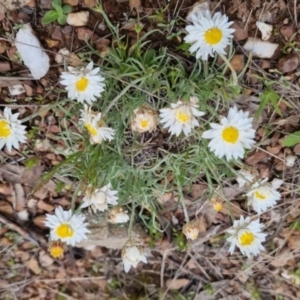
[
  {"x": 144, "y": 123},
  {"x": 82, "y": 84},
  {"x": 260, "y": 196},
  {"x": 92, "y": 130},
  {"x": 182, "y": 117},
  {"x": 247, "y": 238},
  {"x": 213, "y": 36},
  {"x": 230, "y": 134},
  {"x": 56, "y": 251},
  {"x": 5, "y": 130},
  {"x": 218, "y": 206},
  {"x": 65, "y": 231}
]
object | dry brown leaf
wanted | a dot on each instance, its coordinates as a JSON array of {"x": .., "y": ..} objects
[
  {"x": 44, "y": 259},
  {"x": 135, "y": 4},
  {"x": 33, "y": 265},
  {"x": 256, "y": 157},
  {"x": 39, "y": 221},
  {"x": 6, "y": 208},
  {"x": 232, "y": 208},
  {"x": 201, "y": 224},
  {"x": 294, "y": 242},
  {"x": 177, "y": 283},
  {"x": 5, "y": 189},
  {"x": 43, "y": 205},
  {"x": 19, "y": 199},
  {"x": 282, "y": 259},
  {"x": 197, "y": 190},
  {"x": 19, "y": 174}
]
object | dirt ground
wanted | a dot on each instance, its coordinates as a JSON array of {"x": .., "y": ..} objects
[{"x": 205, "y": 270}]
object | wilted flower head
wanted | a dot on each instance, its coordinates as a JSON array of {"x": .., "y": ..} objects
[
  {"x": 118, "y": 215},
  {"x": 246, "y": 176},
  {"x": 232, "y": 136},
  {"x": 144, "y": 119},
  {"x": 98, "y": 199},
  {"x": 217, "y": 203},
  {"x": 263, "y": 195},
  {"x": 11, "y": 131},
  {"x": 95, "y": 126},
  {"x": 208, "y": 34},
  {"x": 247, "y": 236},
  {"x": 191, "y": 230},
  {"x": 181, "y": 117},
  {"x": 57, "y": 249},
  {"x": 66, "y": 227},
  {"x": 84, "y": 84},
  {"x": 132, "y": 254}
]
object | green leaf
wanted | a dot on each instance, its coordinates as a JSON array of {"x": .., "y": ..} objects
[
  {"x": 58, "y": 2},
  {"x": 50, "y": 16},
  {"x": 67, "y": 9},
  {"x": 269, "y": 96},
  {"x": 292, "y": 139},
  {"x": 58, "y": 8},
  {"x": 62, "y": 19}
]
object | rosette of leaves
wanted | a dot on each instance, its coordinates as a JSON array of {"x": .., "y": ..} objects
[{"x": 58, "y": 13}]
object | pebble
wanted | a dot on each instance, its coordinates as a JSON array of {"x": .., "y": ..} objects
[
  {"x": 84, "y": 33},
  {"x": 288, "y": 30},
  {"x": 288, "y": 63},
  {"x": 80, "y": 18},
  {"x": 237, "y": 62},
  {"x": 16, "y": 89},
  {"x": 70, "y": 2}
]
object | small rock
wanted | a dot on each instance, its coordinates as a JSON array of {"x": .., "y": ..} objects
[
  {"x": 3, "y": 47},
  {"x": 288, "y": 30},
  {"x": 84, "y": 33},
  {"x": 57, "y": 33},
  {"x": 265, "y": 29},
  {"x": 45, "y": 4},
  {"x": 16, "y": 90},
  {"x": 279, "y": 166},
  {"x": 290, "y": 160},
  {"x": 4, "y": 66},
  {"x": 237, "y": 62},
  {"x": 51, "y": 43},
  {"x": 101, "y": 43},
  {"x": 54, "y": 129},
  {"x": 23, "y": 215},
  {"x": 288, "y": 63},
  {"x": 265, "y": 64},
  {"x": 7, "y": 5},
  {"x": 44, "y": 259},
  {"x": 70, "y": 2},
  {"x": 259, "y": 48},
  {"x": 63, "y": 54},
  {"x": 241, "y": 31},
  {"x": 135, "y": 4},
  {"x": 80, "y": 18}
]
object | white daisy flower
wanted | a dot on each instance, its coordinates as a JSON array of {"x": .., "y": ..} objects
[
  {"x": 144, "y": 119},
  {"x": 99, "y": 199},
  {"x": 191, "y": 230},
  {"x": 84, "y": 84},
  {"x": 231, "y": 136},
  {"x": 208, "y": 34},
  {"x": 11, "y": 131},
  {"x": 118, "y": 215},
  {"x": 246, "y": 176},
  {"x": 95, "y": 126},
  {"x": 66, "y": 227},
  {"x": 181, "y": 116},
  {"x": 247, "y": 236},
  {"x": 132, "y": 254},
  {"x": 263, "y": 195}
]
